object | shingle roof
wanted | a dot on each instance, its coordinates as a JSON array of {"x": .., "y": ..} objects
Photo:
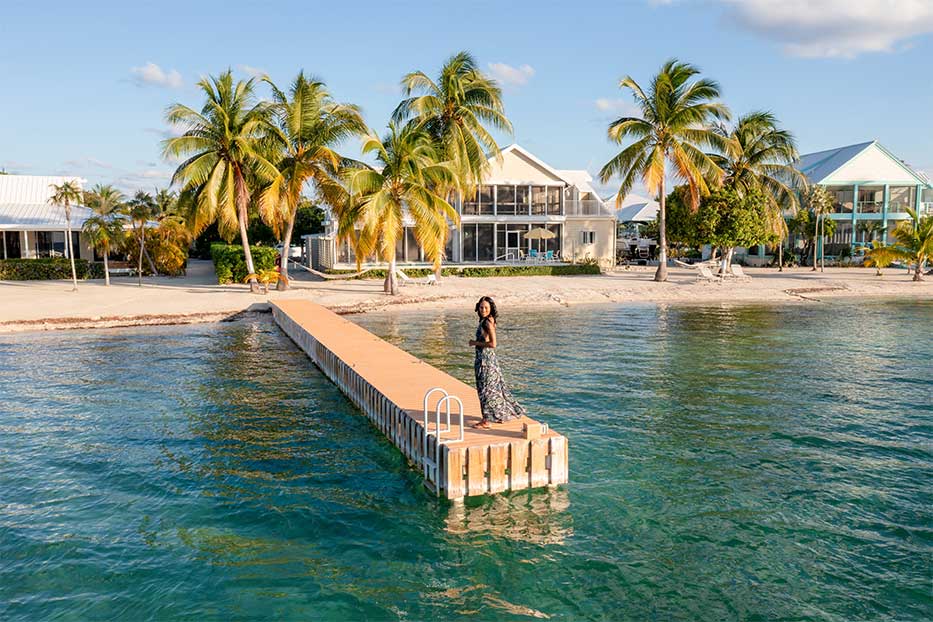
[{"x": 24, "y": 204}]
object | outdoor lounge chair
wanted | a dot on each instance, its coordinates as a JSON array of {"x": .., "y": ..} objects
[
  {"x": 407, "y": 280},
  {"x": 533, "y": 254},
  {"x": 739, "y": 273},
  {"x": 704, "y": 274},
  {"x": 549, "y": 256}
]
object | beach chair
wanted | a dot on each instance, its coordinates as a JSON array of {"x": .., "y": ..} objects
[
  {"x": 739, "y": 273},
  {"x": 533, "y": 254},
  {"x": 704, "y": 274},
  {"x": 407, "y": 280},
  {"x": 549, "y": 256}
]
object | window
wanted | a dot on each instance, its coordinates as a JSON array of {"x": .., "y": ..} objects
[
  {"x": 521, "y": 200},
  {"x": 505, "y": 200},
  {"x": 588, "y": 237},
  {"x": 486, "y": 204},
  {"x": 471, "y": 203},
  {"x": 553, "y": 201},
  {"x": 538, "y": 200}
]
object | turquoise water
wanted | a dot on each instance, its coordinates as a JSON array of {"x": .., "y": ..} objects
[{"x": 745, "y": 463}]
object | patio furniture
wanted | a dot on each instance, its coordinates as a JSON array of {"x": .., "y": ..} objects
[
  {"x": 549, "y": 256},
  {"x": 739, "y": 273},
  {"x": 704, "y": 274},
  {"x": 533, "y": 254},
  {"x": 431, "y": 279}
]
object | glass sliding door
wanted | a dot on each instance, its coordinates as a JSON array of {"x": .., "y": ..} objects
[
  {"x": 553, "y": 201},
  {"x": 485, "y": 239},
  {"x": 12, "y": 249},
  {"x": 469, "y": 242}
]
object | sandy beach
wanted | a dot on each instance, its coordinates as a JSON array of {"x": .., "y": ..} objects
[{"x": 51, "y": 305}]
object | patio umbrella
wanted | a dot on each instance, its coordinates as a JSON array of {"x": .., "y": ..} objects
[{"x": 540, "y": 233}]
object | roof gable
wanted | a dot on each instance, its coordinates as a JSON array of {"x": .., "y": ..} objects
[
  {"x": 518, "y": 166},
  {"x": 864, "y": 162}
]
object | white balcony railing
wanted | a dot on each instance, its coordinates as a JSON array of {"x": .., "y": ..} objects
[{"x": 586, "y": 207}]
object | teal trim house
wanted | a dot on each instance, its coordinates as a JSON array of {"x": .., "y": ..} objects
[{"x": 872, "y": 189}]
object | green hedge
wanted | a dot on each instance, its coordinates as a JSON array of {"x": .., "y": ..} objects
[
  {"x": 483, "y": 271},
  {"x": 48, "y": 269},
  {"x": 230, "y": 262}
]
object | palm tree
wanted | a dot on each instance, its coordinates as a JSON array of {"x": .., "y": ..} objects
[
  {"x": 818, "y": 200},
  {"x": 677, "y": 115},
  {"x": 104, "y": 230},
  {"x": 407, "y": 182},
  {"x": 65, "y": 194},
  {"x": 141, "y": 209},
  {"x": 915, "y": 237},
  {"x": 456, "y": 110},
  {"x": 880, "y": 255},
  {"x": 309, "y": 125},
  {"x": 759, "y": 156},
  {"x": 223, "y": 147}
]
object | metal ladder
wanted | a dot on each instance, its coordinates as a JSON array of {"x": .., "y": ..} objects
[{"x": 433, "y": 466}]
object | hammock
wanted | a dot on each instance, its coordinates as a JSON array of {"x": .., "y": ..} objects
[{"x": 330, "y": 277}]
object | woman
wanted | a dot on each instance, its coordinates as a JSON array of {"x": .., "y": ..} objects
[{"x": 495, "y": 399}]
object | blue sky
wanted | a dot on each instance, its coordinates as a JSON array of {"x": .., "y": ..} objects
[{"x": 86, "y": 84}]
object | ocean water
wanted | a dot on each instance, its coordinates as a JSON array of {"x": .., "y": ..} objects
[{"x": 733, "y": 463}]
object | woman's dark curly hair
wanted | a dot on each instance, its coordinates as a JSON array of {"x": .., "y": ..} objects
[{"x": 493, "y": 312}]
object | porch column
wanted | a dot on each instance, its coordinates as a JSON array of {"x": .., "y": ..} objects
[
  {"x": 919, "y": 198},
  {"x": 27, "y": 252},
  {"x": 854, "y": 213},
  {"x": 884, "y": 213}
]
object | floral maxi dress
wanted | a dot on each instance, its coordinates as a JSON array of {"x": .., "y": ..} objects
[{"x": 495, "y": 398}]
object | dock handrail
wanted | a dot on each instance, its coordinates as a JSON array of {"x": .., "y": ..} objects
[{"x": 427, "y": 463}]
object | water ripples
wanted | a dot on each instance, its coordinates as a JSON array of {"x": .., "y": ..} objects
[{"x": 726, "y": 463}]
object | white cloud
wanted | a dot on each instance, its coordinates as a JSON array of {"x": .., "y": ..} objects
[
  {"x": 152, "y": 74},
  {"x": 834, "y": 28},
  {"x": 617, "y": 107},
  {"x": 511, "y": 76},
  {"x": 85, "y": 163},
  {"x": 168, "y": 131},
  {"x": 254, "y": 72}
]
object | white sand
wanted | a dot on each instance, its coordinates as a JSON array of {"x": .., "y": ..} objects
[{"x": 38, "y": 305}]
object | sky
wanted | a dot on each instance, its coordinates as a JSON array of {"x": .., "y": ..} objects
[{"x": 86, "y": 85}]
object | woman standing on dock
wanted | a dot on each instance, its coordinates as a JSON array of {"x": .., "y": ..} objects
[{"x": 495, "y": 398}]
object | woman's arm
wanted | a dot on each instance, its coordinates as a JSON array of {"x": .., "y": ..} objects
[{"x": 489, "y": 331}]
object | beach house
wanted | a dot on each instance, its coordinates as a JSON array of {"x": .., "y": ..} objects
[
  {"x": 33, "y": 228},
  {"x": 524, "y": 211},
  {"x": 871, "y": 187}
]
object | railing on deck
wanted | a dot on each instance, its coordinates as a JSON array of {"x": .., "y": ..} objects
[{"x": 586, "y": 207}]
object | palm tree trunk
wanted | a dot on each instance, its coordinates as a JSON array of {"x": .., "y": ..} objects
[
  {"x": 106, "y": 267},
  {"x": 816, "y": 236},
  {"x": 823, "y": 243},
  {"x": 661, "y": 275},
  {"x": 152, "y": 267},
  {"x": 282, "y": 285},
  {"x": 726, "y": 261},
  {"x": 781, "y": 256},
  {"x": 139, "y": 262},
  {"x": 918, "y": 271},
  {"x": 242, "y": 204},
  {"x": 71, "y": 250},
  {"x": 391, "y": 285}
]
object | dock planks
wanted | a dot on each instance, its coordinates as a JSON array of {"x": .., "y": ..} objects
[{"x": 388, "y": 385}]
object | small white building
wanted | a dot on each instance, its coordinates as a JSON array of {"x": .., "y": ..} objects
[
  {"x": 520, "y": 193},
  {"x": 33, "y": 228}
]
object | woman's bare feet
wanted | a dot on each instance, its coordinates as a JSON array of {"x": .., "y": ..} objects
[{"x": 481, "y": 424}]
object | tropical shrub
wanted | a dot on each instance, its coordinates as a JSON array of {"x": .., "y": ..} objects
[
  {"x": 230, "y": 262},
  {"x": 47, "y": 269}
]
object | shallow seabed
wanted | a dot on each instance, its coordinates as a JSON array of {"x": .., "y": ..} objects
[{"x": 742, "y": 463}]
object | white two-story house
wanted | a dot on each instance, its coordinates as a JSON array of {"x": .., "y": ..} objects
[{"x": 520, "y": 193}]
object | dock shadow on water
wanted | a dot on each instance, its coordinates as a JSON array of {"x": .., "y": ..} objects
[{"x": 728, "y": 463}]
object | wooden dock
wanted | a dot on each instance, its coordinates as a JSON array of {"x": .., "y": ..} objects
[{"x": 389, "y": 386}]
